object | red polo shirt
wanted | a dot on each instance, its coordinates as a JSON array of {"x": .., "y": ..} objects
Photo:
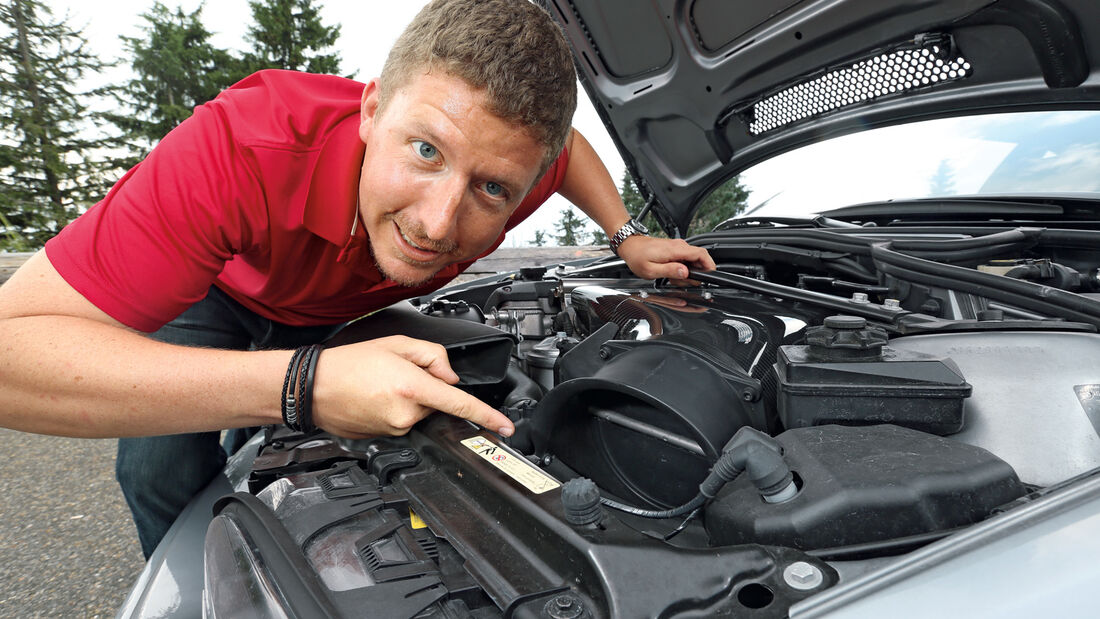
[{"x": 255, "y": 193}]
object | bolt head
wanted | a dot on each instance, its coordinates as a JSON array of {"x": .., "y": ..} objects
[
  {"x": 564, "y": 607},
  {"x": 803, "y": 576}
]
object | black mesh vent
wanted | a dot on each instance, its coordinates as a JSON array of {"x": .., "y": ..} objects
[{"x": 890, "y": 73}]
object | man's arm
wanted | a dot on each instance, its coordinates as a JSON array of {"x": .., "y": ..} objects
[
  {"x": 588, "y": 184},
  {"x": 68, "y": 368}
]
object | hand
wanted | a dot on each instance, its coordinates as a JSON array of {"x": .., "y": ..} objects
[
  {"x": 385, "y": 386},
  {"x": 652, "y": 258}
]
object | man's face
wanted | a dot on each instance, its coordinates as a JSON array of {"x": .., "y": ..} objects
[{"x": 441, "y": 175}]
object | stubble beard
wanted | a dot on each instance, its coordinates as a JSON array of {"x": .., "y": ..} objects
[{"x": 415, "y": 232}]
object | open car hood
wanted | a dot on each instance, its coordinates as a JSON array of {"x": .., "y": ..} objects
[{"x": 695, "y": 91}]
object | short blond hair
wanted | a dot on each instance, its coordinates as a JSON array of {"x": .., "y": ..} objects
[{"x": 511, "y": 49}]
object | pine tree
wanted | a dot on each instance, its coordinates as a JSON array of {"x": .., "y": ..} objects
[
  {"x": 598, "y": 237},
  {"x": 942, "y": 182},
  {"x": 722, "y": 204},
  {"x": 52, "y": 161},
  {"x": 288, "y": 34},
  {"x": 177, "y": 68},
  {"x": 571, "y": 229},
  {"x": 540, "y": 238}
]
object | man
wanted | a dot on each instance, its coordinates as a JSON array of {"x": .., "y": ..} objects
[{"x": 287, "y": 206}]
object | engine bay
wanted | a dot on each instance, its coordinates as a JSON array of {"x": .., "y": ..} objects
[{"x": 822, "y": 404}]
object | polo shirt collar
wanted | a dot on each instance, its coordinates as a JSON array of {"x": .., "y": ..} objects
[{"x": 334, "y": 186}]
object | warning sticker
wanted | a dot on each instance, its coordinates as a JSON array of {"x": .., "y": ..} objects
[
  {"x": 416, "y": 521},
  {"x": 512, "y": 464}
]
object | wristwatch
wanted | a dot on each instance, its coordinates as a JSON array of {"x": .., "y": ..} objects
[{"x": 629, "y": 229}]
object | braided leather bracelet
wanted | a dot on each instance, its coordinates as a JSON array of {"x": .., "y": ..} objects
[
  {"x": 289, "y": 403},
  {"x": 297, "y": 396},
  {"x": 305, "y": 414}
]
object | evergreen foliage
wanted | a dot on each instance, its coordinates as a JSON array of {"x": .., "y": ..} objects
[
  {"x": 723, "y": 203},
  {"x": 288, "y": 34},
  {"x": 53, "y": 164},
  {"x": 942, "y": 182},
  {"x": 727, "y": 201},
  {"x": 540, "y": 238},
  {"x": 571, "y": 229},
  {"x": 57, "y": 157},
  {"x": 176, "y": 68}
]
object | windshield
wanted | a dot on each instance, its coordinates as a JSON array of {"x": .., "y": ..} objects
[{"x": 1019, "y": 153}]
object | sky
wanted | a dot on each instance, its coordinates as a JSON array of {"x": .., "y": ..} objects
[{"x": 368, "y": 29}]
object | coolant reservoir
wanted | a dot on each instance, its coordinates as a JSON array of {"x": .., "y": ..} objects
[{"x": 848, "y": 375}]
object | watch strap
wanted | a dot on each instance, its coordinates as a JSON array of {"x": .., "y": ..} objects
[{"x": 629, "y": 229}]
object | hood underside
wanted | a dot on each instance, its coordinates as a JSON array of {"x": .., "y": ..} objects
[{"x": 695, "y": 91}]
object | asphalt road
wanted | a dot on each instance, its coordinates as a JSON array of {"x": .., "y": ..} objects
[{"x": 67, "y": 545}]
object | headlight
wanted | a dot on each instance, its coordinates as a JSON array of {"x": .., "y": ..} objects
[{"x": 236, "y": 583}]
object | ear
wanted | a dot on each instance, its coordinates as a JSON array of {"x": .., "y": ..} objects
[{"x": 368, "y": 109}]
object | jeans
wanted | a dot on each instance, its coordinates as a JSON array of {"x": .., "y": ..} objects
[{"x": 160, "y": 474}]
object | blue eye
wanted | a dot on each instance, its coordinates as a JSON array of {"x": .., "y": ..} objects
[
  {"x": 425, "y": 150},
  {"x": 493, "y": 189}
]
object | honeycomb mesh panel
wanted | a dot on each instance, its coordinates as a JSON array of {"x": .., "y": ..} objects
[{"x": 890, "y": 73}]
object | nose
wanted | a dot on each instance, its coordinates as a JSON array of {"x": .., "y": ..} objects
[{"x": 441, "y": 211}]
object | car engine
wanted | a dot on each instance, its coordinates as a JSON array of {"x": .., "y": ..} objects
[{"x": 831, "y": 398}]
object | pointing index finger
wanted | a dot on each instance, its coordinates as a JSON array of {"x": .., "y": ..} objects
[{"x": 454, "y": 401}]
